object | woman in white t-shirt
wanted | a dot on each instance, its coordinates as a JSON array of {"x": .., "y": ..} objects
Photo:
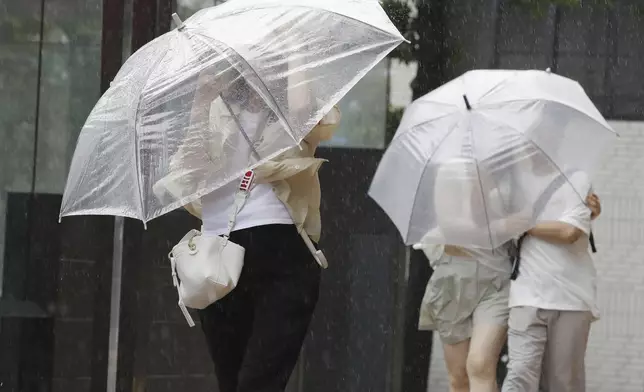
[
  {"x": 262, "y": 207},
  {"x": 255, "y": 333}
]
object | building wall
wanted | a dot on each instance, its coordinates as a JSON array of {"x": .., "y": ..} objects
[{"x": 614, "y": 361}]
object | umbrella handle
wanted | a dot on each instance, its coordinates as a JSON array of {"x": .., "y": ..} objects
[{"x": 178, "y": 21}]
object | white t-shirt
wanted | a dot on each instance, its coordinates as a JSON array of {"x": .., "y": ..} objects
[
  {"x": 262, "y": 207},
  {"x": 556, "y": 276}
]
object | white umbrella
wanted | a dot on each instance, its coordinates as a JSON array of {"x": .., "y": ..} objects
[
  {"x": 471, "y": 161},
  {"x": 183, "y": 93}
]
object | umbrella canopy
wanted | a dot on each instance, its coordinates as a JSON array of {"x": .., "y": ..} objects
[
  {"x": 471, "y": 161},
  {"x": 184, "y": 93}
]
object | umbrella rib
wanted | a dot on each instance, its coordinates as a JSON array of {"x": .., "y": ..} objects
[
  {"x": 440, "y": 143},
  {"x": 315, "y": 9},
  {"x": 398, "y": 133},
  {"x": 492, "y": 89},
  {"x": 500, "y": 103},
  {"x": 237, "y": 122},
  {"x": 478, "y": 177},
  {"x": 535, "y": 145},
  {"x": 279, "y": 113},
  {"x": 137, "y": 153}
]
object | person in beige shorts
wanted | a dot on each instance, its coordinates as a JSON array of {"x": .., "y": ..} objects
[
  {"x": 466, "y": 300},
  {"x": 466, "y": 303}
]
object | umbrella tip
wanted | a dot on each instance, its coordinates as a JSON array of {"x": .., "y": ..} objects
[
  {"x": 467, "y": 102},
  {"x": 177, "y": 20}
]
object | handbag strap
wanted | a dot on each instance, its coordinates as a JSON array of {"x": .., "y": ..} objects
[
  {"x": 317, "y": 254},
  {"x": 241, "y": 196},
  {"x": 175, "y": 282}
]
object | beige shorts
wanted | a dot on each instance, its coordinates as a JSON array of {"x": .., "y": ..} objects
[{"x": 463, "y": 293}]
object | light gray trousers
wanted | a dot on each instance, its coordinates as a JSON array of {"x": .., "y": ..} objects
[{"x": 546, "y": 350}]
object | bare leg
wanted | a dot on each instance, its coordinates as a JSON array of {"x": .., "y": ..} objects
[
  {"x": 485, "y": 348},
  {"x": 456, "y": 360}
]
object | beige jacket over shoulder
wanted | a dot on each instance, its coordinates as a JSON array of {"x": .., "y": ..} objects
[{"x": 293, "y": 174}]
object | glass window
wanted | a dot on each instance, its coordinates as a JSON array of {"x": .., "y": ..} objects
[
  {"x": 67, "y": 77},
  {"x": 49, "y": 80},
  {"x": 19, "y": 43},
  {"x": 364, "y": 112}
]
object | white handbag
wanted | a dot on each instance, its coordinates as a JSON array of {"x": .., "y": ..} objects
[{"x": 207, "y": 268}]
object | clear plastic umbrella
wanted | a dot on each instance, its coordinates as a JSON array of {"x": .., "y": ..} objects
[
  {"x": 474, "y": 162},
  {"x": 286, "y": 62}
]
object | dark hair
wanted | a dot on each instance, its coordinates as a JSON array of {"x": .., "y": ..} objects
[{"x": 238, "y": 91}]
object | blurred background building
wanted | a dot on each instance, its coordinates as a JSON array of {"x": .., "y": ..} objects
[{"x": 88, "y": 304}]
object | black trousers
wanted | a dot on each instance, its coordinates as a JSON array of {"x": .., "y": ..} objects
[{"x": 255, "y": 333}]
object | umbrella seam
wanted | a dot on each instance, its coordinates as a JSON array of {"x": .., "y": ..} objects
[
  {"x": 99, "y": 212},
  {"x": 397, "y": 134},
  {"x": 272, "y": 98},
  {"x": 478, "y": 177},
  {"x": 609, "y": 129},
  {"x": 492, "y": 88},
  {"x": 347, "y": 54},
  {"x": 315, "y": 9},
  {"x": 137, "y": 153},
  {"x": 413, "y": 203},
  {"x": 533, "y": 143},
  {"x": 410, "y": 129},
  {"x": 84, "y": 169}
]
